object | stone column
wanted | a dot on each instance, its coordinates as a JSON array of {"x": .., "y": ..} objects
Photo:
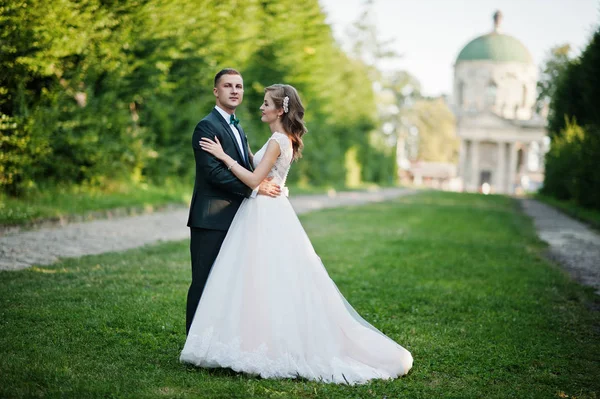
[
  {"x": 501, "y": 168},
  {"x": 475, "y": 165},
  {"x": 462, "y": 161},
  {"x": 512, "y": 168}
]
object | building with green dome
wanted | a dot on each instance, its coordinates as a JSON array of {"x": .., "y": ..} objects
[
  {"x": 502, "y": 137},
  {"x": 495, "y": 46}
]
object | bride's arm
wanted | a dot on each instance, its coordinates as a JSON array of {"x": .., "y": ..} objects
[{"x": 251, "y": 179}]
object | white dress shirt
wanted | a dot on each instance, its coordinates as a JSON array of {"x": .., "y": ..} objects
[
  {"x": 238, "y": 138},
  {"x": 236, "y": 133}
]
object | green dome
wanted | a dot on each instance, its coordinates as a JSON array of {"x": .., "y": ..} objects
[{"x": 495, "y": 47}]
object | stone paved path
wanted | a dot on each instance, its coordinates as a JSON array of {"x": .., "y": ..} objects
[
  {"x": 46, "y": 245},
  {"x": 572, "y": 243}
]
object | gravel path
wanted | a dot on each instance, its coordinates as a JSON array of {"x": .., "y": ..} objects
[
  {"x": 46, "y": 245},
  {"x": 572, "y": 243}
]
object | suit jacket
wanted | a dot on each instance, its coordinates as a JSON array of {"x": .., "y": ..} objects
[{"x": 217, "y": 192}]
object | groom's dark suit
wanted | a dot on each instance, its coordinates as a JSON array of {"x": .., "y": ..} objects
[{"x": 216, "y": 199}]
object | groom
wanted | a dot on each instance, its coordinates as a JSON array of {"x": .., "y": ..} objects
[{"x": 217, "y": 192}]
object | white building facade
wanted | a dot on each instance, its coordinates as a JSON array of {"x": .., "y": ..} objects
[{"x": 502, "y": 139}]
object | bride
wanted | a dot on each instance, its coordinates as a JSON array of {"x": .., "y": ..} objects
[{"x": 269, "y": 307}]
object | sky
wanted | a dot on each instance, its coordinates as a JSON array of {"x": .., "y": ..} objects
[{"x": 429, "y": 34}]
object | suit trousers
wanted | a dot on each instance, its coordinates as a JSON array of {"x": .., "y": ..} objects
[{"x": 204, "y": 248}]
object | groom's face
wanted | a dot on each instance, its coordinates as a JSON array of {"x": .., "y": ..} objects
[{"x": 229, "y": 92}]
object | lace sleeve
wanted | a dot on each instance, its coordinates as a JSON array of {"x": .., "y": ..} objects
[{"x": 284, "y": 143}]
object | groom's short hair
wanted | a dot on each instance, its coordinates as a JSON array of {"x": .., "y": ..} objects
[{"x": 226, "y": 71}]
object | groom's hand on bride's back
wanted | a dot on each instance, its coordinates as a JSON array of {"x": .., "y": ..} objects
[{"x": 269, "y": 188}]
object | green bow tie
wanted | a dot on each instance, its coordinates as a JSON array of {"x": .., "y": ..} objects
[{"x": 234, "y": 121}]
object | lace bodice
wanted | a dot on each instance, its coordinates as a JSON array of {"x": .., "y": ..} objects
[{"x": 280, "y": 169}]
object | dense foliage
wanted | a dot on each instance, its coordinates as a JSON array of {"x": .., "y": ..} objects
[
  {"x": 572, "y": 171},
  {"x": 97, "y": 91},
  {"x": 436, "y": 126}
]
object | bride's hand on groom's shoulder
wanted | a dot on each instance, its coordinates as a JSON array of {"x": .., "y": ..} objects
[
  {"x": 267, "y": 187},
  {"x": 212, "y": 147}
]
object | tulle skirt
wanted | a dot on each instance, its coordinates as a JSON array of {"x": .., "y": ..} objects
[{"x": 269, "y": 308}]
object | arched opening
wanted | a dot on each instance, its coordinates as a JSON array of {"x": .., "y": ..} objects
[
  {"x": 520, "y": 161},
  {"x": 524, "y": 97},
  {"x": 490, "y": 94}
]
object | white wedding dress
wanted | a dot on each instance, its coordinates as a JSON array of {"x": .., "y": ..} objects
[{"x": 270, "y": 308}]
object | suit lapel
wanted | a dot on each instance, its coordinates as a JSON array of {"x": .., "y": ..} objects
[
  {"x": 230, "y": 133},
  {"x": 245, "y": 144}
]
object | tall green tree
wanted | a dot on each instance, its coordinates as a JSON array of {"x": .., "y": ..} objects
[
  {"x": 555, "y": 64},
  {"x": 572, "y": 171},
  {"x": 436, "y": 127},
  {"x": 97, "y": 91}
]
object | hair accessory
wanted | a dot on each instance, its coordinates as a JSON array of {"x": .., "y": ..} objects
[{"x": 286, "y": 101}]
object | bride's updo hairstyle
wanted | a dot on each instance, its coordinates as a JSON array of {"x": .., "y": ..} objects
[{"x": 293, "y": 114}]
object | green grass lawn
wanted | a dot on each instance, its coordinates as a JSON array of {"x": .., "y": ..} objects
[
  {"x": 54, "y": 203},
  {"x": 457, "y": 279},
  {"x": 61, "y": 202}
]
